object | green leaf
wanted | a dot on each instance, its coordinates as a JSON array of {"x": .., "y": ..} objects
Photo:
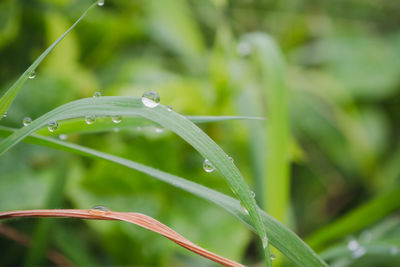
[
  {"x": 357, "y": 219},
  {"x": 280, "y": 236},
  {"x": 270, "y": 64},
  {"x": 133, "y": 106},
  {"x": 106, "y": 124},
  {"x": 11, "y": 93}
]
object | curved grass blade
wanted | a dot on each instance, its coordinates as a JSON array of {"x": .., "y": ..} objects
[
  {"x": 107, "y": 124},
  {"x": 280, "y": 236},
  {"x": 131, "y": 217},
  {"x": 133, "y": 106},
  {"x": 11, "y": 93},
  {"x": 357, "y": 219}
]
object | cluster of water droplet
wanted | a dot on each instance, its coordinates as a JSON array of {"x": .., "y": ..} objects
[{"x": 357, "y": 251}]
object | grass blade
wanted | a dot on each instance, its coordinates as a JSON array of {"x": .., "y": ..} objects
[
  {"x": 133, "y": 106},
  {"x": 106, "y": 124},
  {"x": 11, "y": 93},
  {"x": 270, "y": 63},
  {"x": 357, "y": 219},
  {"x": 280, "y": 236},
  {"x": 131, "y": 217}
]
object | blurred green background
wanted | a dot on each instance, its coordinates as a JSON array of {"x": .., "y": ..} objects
[{"x": 343, "y": 79}]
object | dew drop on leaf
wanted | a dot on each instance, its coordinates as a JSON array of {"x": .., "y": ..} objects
[{"x": 150, "y": 99}]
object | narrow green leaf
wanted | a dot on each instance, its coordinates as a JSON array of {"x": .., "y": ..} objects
[
  {"x": 11, "y": 93},
  {"x": 106, "y": 124},
  {"x": 133, "y": 106},
  {"x": 280, "y": 236},
  {"x": 270, "y": 64},
  {"x": 357, "y": 219}
]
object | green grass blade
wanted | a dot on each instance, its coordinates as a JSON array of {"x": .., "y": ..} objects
[
  {"x": 132, "y": 106},
  {"x": 270, "y": 63},
  {"x": 11, "y": 93},
  {"x": 280, "y": 236},
  {"x": 357, "y": 219},
  {"x": 106, "y": 124}
]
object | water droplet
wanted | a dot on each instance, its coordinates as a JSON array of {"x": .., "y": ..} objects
[
  {"x": 5, "y": 114},
  {"x": 244, "y": 49},
  {"x": 358, "y": 253},
  {"x": 99, "y": 210},
  {"x": 116, "y": 119},
  {"x": 63, "y": 136},
  {"x": 231, "y": 159},
  {"x": 26, "y": 121},
  {"x": 116, "y": 130},
  {"x": 208, "y": 166},
  {"x": 253, "y": 195},
  {"x": 100, "y": 3},
  {"x": 52, "y": 126},
  {"x": 32, "y": 75},
  {"x": 150, "y": 99},
  {"x": 97, "y": 94},
  {"x": 244, "y": 208},
  {"x": 90, "y": 119},
  {"x": 169, "y": 108},
  {"x": 353, "y": 245},
  {"x": 159, "y": 130},
  {"x": 394, "y": 250},
  {"x": 265, "y": 242},
  {"x": 272, "y": 257}
]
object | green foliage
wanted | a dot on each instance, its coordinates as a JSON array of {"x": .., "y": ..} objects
[{"x": 331, "y": 112}]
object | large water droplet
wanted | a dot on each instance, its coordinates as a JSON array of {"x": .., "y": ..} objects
[
  {"x": 169, "y": 108},
  {"x": 244, "y": 49},
  {"x": 26, "y": 121},
  {"x": 243, "y": 208},
  {"x": 208, "y": 166},
  {"x": 272, "y": 257},
  {"x": 52, "y": 126},
  {"x": 150, "y": 99},
  {"x": 265, "y": 242},
  {"x": 97, "y": 94},
  {"x": 63, "y": 136},
  {"x": 358, "y": 253},
  {"x": 116, "y": 119},
  {"x": 32, "y": 75},
  {"x": 99, "y": 210},
  {"x": 353, "y": 245},
  {"x": 100, "y": 3},
  {"x": 90, "y": 119},
  {"x": 5, "y": 114}
]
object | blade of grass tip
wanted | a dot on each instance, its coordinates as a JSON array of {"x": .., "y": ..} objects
[
  {"x": 139, "y": 219},
  {"x": 109, "y": 124},
  {"x": 281, "y": 237},
  {"x": 268, "y": 58},
  {"x": 133, "y": 106},
  {"x": 357, "y": 219},
  {"x": 11, "y": 93}
]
